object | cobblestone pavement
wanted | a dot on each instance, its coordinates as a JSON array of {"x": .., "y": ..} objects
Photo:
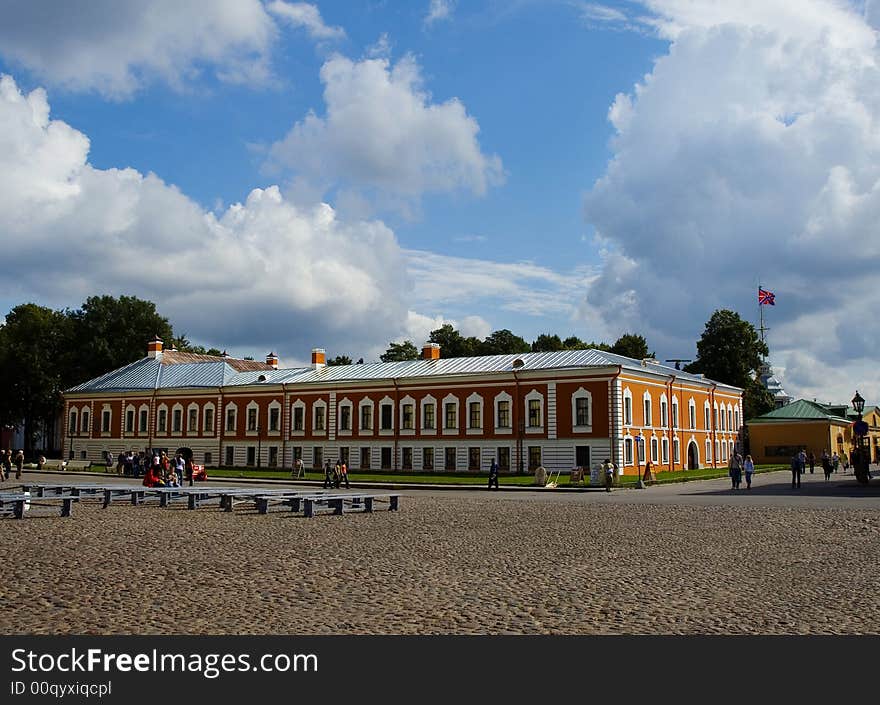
[{"x": 690, "y": 559}]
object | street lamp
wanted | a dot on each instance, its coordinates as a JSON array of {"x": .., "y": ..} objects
[
  {"x": 259, "y": 444},
  {"x": 70, "y": 430},
  {"x": 640, "y": 453},
  {"x": 860, "y": 430}
]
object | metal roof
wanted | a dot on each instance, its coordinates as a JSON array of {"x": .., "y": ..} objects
[
  {"x": 148, "y": 373},
  {"x": 800, "y": 410}
]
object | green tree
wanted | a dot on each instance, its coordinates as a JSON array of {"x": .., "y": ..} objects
[
  {"x": 631, "y": 345},
  {"x": 109, "y": 333},
  {"x": 547, "y": 343},
  {"x": 454, "y": 344},
  {"x": 339, "y": 360},
  {"x": 731, "y": 352},
  {"x": 34, "y": 368},
  {"x": 398, "y": 352},
  {"x": 503, "y": 342}
]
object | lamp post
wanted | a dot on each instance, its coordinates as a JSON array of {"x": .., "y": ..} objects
[
  {"x": 259, "y": 444},
  {"x": 860, "y": 430},
  {"x": 70, "y": 431},
  {"x": 640, "y": 453}
]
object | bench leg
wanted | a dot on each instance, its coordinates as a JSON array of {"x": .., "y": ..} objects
[
  {"x": 191, "y": 502},
  {"x": 262, "y": 505},
  {"x": 337, "y": 505},
  {"x": 163, "y": 499},
  {"x": 227, "y": 503},
  {"x": 309, "y": 509},
  {"x": 393, "y": 503},
  {"x": 67, "y": 507},
  {"x": 18, "y": 513},
  {"x": 294, "y": 504},
  {"x": 108, "y": 497},
  {"x": 368, "y": 504}
]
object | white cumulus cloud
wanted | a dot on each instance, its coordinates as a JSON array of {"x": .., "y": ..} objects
[
  {"x": 302, "y": 14},
  {"x": 750, "y": 152},
  {"x": 114, "y": 47},
  {"x": 382, "y": 133}
]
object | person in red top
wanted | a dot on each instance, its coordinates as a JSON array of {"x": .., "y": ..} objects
[{"x": 153, "y": 478}]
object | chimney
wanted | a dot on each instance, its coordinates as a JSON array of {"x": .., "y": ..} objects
[
  {"x": 154, "y": 348},
  {"x": 319, "y": 358},
  {"x": 272, "y": 360},
  {"x": 431, "y": 351}
]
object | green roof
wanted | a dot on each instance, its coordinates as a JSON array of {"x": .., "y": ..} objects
[{"x": 800, "y": 410}]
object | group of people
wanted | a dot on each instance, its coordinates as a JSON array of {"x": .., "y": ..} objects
[
  {"x": 830, "y": 464},
  {"x": 335, "y": 475},
  {"x": 7, "y": 460},
  {"x": 739, "y": 466}
]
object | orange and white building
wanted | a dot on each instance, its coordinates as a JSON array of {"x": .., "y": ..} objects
[{"x": 557, "y": 409}]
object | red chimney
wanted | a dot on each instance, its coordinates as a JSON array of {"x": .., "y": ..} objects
[
  {"x": 154, "y": 347},
  {"x": 319, "y": 358},
  {"x": 272, "y": 359},
  {"x": 431, "y": 351}
]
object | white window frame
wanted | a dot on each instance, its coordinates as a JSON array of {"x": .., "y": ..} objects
[
  {"x": 159, "y": 409},
  {"x": 345, "y": 403},
  {"x": 628, "y": 454},
  {"x": 209, "y": 429},
  {"x": 674, "y": 412},
  {"x": 582, "y": 393},
  {"x": 106, "y": 407},
  {"x": 252, "y": 404},
  {"x": 423, "y": 402},
  {"x": 387, "y": 401},
  {"x": 654, "y": 450},
  {"x": 126, "y": 431},
  {"x": 474, "y": 430},
  {"x": 415, "y": 422},
  {"x": 708, "y": 451},
  {"x": 676, "y": 450},
  {"x": 85, "y": 420},
  {"x": 647, "y": 410},
  {"x": 319, "y": 404},
  {"x": 496, "y": 403},
  {"x": 177, "y": 407},
  {"x": 142, "y": 408},
  {"x": 193, "y": 431},
  {"x": 627, "y": 407},
  {"x": 532, "y": 396},
  {"x": 274, "y": 404},
  {"x": 692, "y": 414},
  {"x": 298, "y": 404},
  {"x": 451, "y": 399},
  {"x": 664, "y": 411},
  {"x": 707, "y": 416},
  {"x": 664, "y": 451},
  {"x": 366, "y": 401}
]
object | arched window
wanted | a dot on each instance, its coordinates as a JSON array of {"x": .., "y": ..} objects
[{"x": 582, "y": 411}]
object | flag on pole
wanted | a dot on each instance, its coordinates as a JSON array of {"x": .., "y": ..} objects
[{"x": 766, "y": 297}]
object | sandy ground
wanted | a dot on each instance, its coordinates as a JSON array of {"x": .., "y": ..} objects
[{"x": 466, "y": 562}]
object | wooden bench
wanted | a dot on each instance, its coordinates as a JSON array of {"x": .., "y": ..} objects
[
  {"x": 355, "y": 502},
  {"x": 77, "y": 465},
  {"x": 16, "y": 503}
]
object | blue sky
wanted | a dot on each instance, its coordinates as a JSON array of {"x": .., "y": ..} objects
[{"x": 282, "y": 175}]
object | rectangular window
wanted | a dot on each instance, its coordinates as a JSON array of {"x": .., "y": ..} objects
[
  {"x": 366, "y": 418},
  {"x": 274, "y": 419},
  {"x": 176, "y": 420},
  {"x": 428, "y": 413},
  {"x": 473, "y": 458},
  {"x": 319, "y": 418},
  {"x": 129, "y": 421},
  {"x": 692, "y": 417},
  {"x": 209, "y": 458},
  {"x": 534, "y": 414},
  {"x": 664, "y": 411},
  {"x": 674, "y": 414},
  {"x": 449, "y": 455},
  {"x": 503, "y": 414},
  {"x": 582, "y": 457},
  {"x": 474, "y": 415},
  {"x": 408, "y": 414},
  {"x": 387, "y": 416},
  {"x": 427, "y": 459},
  {"x": 664, "y": 451},
  {"x": 365, "y": 458},
  {"x": 451, "y": 420},
  {"x": 230, "y": 456},
  {"x": 345, "y": 418},
  {"x": 230, "y": 419},
  {"x": 706, "y": 417},
  {"x": 105, "y": 422},
  {"x": 273, "y": 456},
  {"x": 676, "y": 456},
  {"x": 209, "y": 421},
  {"x": 251, "y": 419},
  {"x": 192, "y": 423},
  {"x": 297, "y": 453},
  {"x": 647, "y": 412},
  {"x": 317, "y": 458},
  {"x": 251, "y": 456},
  {"x": 407, "y": 458},
  {"x": 715, "y": 419},
  {"x": 163, "y": 421},
  {"x": 298, "y": 424},
  {"x": 85, "y": 422},
  {"x": 534, "y": 457},
  {"x": 344, "y": 456},
  {"x": 386, "y": 458},
  {"x": 627, "y": 411},
  {"x": 627, "y": 451},
  {"x": 640, "y": 449},
  {"x": 582, "y": 411},
  {"x": 504, "y": 458}
]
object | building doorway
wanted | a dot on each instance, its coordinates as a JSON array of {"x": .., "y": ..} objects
[{"x": 693, "y": 456}]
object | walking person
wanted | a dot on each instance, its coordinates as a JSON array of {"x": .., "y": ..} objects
[
  {"x": 328, "y": 475},
  {"x": 298, "y": 469},
  {"x": 343, "y": 475},
  {"x": 608, "y": 470},
  {"x": 812, "y": 459},
  {"x": 493, "y": 474},
  {"x": 835, "y": 461},
  {"x": 735, "y": 471},
  {"x": 6, "y": 469},
  {"x": 749, "y": 469},
  {"x": 796, "y": 471},
  {"x": 19, "y": 462},
  {"x": 827, "y": 467}
]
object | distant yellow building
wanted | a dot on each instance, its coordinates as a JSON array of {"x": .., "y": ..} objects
[{"x": 778, "y": 434}]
